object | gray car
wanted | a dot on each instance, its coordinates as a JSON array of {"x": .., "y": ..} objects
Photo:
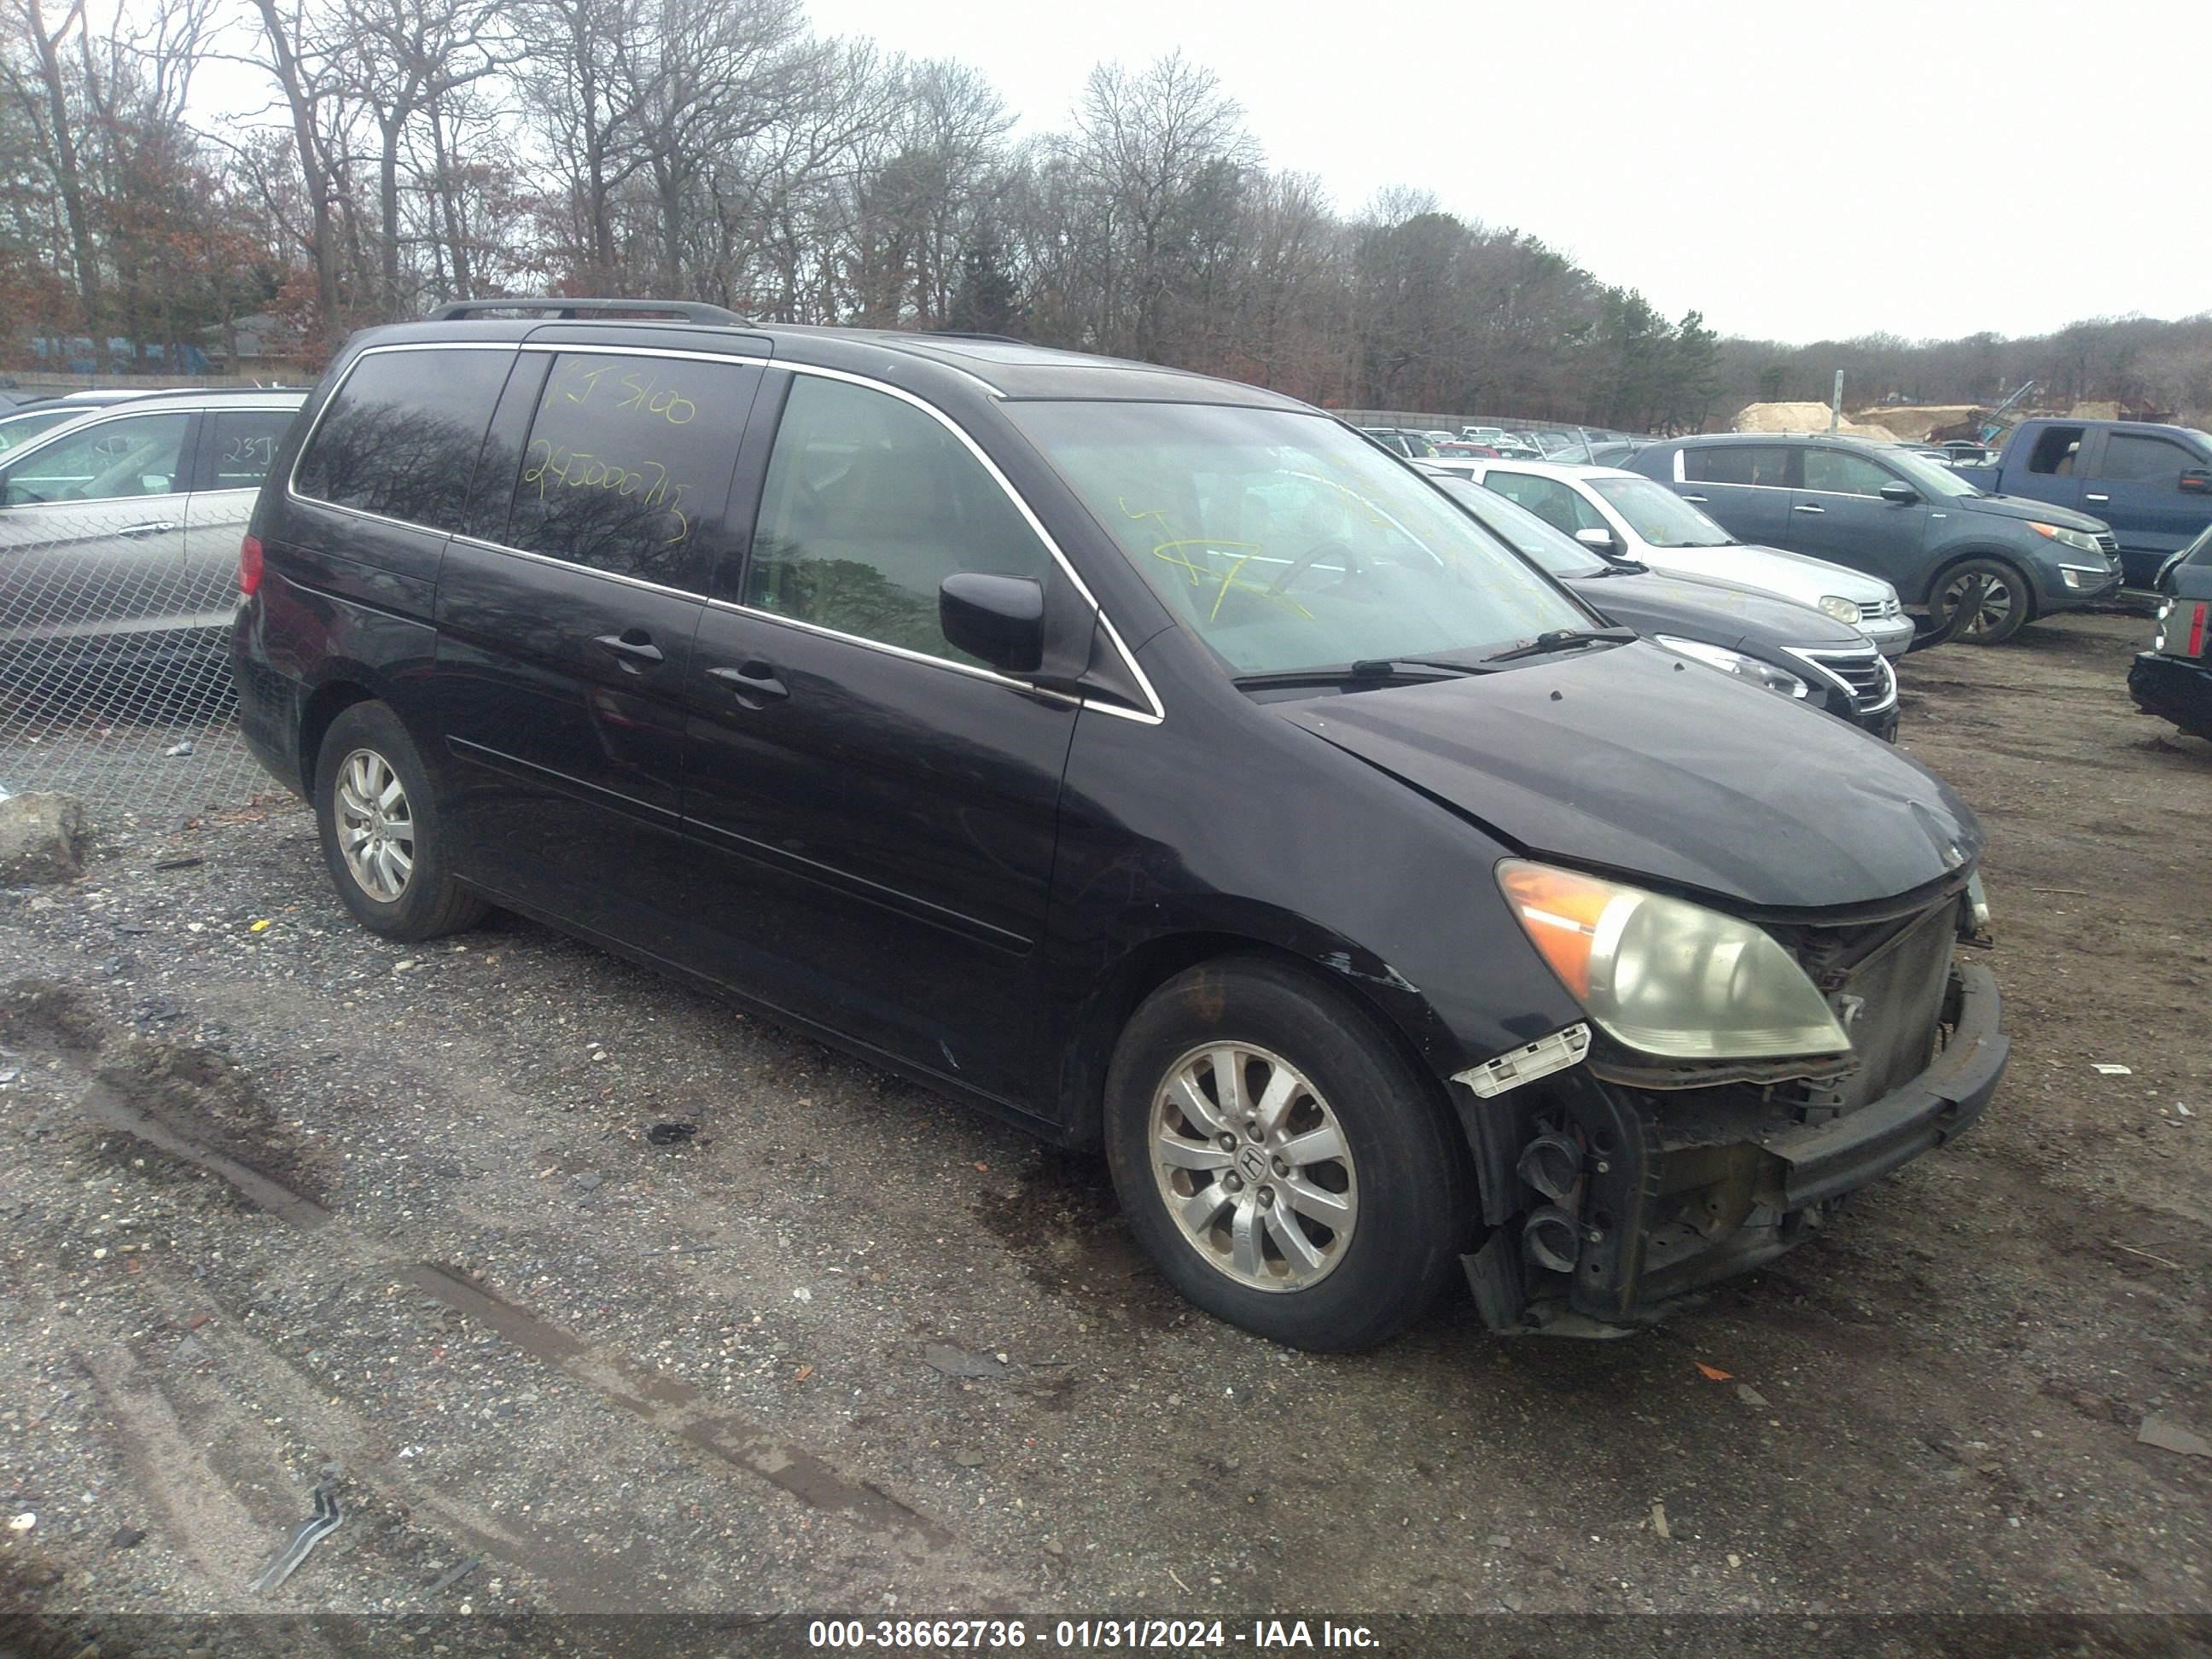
[
  {"x": 119, "y": 529},
  {"x": 1980, "y": 565}
]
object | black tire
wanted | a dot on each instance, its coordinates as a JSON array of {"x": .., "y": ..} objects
[
  {"x": 1407, "y": 1169},
  {"x": 427, "y": 902},
  {"x": 2002, "y": 598}
]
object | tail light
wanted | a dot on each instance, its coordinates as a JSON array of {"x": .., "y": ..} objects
[
  {"x": 249, "y": 564},
  {"x": 2196, "y": 632}
]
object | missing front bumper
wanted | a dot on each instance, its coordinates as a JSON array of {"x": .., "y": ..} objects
[{"x": 1670, "y": 1202}]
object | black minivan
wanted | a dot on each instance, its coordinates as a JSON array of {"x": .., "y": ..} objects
[{"x": 1147, "y": 758}]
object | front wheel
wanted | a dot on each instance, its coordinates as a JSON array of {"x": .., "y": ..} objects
[
  {"x": 1980, "y": 602},
  {"x": 382, "y": 830},
  {"x": 1285, "y": 1168}
]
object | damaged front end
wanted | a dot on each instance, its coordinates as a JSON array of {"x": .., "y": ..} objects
[{"x": 1616, "y": 1183}]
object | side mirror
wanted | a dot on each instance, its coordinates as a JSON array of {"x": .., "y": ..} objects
[
  {"x": 2197, "y": 482},
  {"x": 999, "y": 619},
  {"x": 1900, "y": 493},
  {"x": 1596, "y": 539}
]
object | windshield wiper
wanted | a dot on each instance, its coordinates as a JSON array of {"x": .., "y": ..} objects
[
  {"x": 1370, "y": 671},
  {"x": 1565, "y": 639}
]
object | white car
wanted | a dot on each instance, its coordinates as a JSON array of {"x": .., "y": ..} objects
[{"x": 1630, "y": 516}]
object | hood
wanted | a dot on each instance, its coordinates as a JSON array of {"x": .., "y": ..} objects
[
  {"x": 1629, "y": 760},
  {"x": 1793, "y": 575},
  {"x": 1721, "y": 613},
  {"x": 2019, "y": 507}
]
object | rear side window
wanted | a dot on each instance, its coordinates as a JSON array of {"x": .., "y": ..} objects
[
  {"x": 245, "y": 442},
  {"x": 869, "y": 505},
  {"x": 401, "y": 437},
  {"x": 2054, "y": 451},
  {"x": 1766, "y": 466},
  {"x": 1835, "y": 473},
  {"x": 627, "y": 467},
  {"x": 2137, "y": 458}
]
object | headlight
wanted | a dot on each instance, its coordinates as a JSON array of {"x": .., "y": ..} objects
[
  {"x": 2080, "y": 538},
  {"x": 1669, "y": 978},
  {"x": 1762, "y": 674},
  {"x": 1843, "y": 610}
]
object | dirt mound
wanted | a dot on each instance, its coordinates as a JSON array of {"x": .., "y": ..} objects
[
  {"x": 1917, "y": 422},
  {"x": 1800, "y": 417}
]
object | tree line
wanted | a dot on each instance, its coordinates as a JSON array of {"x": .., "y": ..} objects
[{"x": 412, "y": 152}]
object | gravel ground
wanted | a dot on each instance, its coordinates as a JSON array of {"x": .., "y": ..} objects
[{"x": 278, "y": 1195}]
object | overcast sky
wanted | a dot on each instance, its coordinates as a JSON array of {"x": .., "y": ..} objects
[{"x": 1797, "y": 171}]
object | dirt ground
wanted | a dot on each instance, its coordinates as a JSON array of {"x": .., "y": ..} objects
[{"x": 276, "y": 1194}]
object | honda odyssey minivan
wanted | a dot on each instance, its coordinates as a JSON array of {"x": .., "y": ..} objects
[{"x": 1146, "y": 758}]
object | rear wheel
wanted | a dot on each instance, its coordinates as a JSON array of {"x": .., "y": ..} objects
[
  {"x": 1283, "y": 1166},
  {"x": 382, "y": 831},
  {"x": 1988, "y": 598}
]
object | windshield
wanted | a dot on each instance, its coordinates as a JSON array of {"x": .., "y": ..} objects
[
  {"x": 1285, "y": 541},
  {"x": 1930, "y": 477},
  {"x": 21, "y": 429},
  {"x": 1522, "y": 531},
  {"x": 1659, "y": 517}
]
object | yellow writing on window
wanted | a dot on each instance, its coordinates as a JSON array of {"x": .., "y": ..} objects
[{"x": 549, "y": 467}]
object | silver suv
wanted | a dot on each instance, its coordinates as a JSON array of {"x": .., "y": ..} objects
[{"x": 119, "y": 529}]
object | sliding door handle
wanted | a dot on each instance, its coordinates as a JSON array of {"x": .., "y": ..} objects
[{"x": 754, "y": 680}]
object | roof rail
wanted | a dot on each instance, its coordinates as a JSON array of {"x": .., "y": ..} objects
[
  {"x": 691, "y": 311},
  {"x": 971, "y": 334}
]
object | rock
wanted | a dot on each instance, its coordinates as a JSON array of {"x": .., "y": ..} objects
[
  {"x": 943, "y": 1357},
  {"x": 967, "y": 1459},
  {"x": 1749, "y": 1396},
  {"x": 42, "y": 839},
  {"x": 2172, "y": 1436},
  {"x": 127, "y": 1538},
  {"x": 1054, "y": 1546},
  {"x": 591, "y": 1183}
]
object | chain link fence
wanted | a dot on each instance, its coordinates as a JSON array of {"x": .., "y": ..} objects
[{"x": 115, "y": 680}]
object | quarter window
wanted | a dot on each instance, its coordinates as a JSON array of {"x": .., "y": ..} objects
[
  {"x": 136, "y": 455},
  {"x": 869, "y": 505},
  {"x": 401, "y": 437},
  {"x": 1837, "y": 472},
  {"x": 627, "y": 467},
  {"x": 2137, "y": 458},
  {"x": 1766, "y": 466},
  {"x": 245, "y": 442}
]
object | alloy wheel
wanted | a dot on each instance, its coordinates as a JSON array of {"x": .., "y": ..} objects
[
  {"x": 1253, "y": 1166},
  {"x": 376, "y": 828},
  {"x": 1982, "y": 604}
]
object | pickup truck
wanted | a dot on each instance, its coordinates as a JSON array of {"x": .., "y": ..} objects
[{"x": 2152, "y": 485}]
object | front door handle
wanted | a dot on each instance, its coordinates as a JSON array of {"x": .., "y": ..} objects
[
  {"x": 633, "y": 647},
  {"x": 1699, "y": 500},
  {"x": 1807, "y": 507},
  {"x": 151, "y": 528},
  {"x": 755, "y": 680},
  {"x": 2099, "y": 499}
]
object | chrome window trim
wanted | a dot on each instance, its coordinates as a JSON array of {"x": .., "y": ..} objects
[
  {"x": 1155, "y": 715},
  {"x": 759, "y": 360}
]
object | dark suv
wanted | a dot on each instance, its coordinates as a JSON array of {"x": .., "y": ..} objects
[
  {"x": 1981, "y": 565},
  {"x": 1149, "y": 759}
]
